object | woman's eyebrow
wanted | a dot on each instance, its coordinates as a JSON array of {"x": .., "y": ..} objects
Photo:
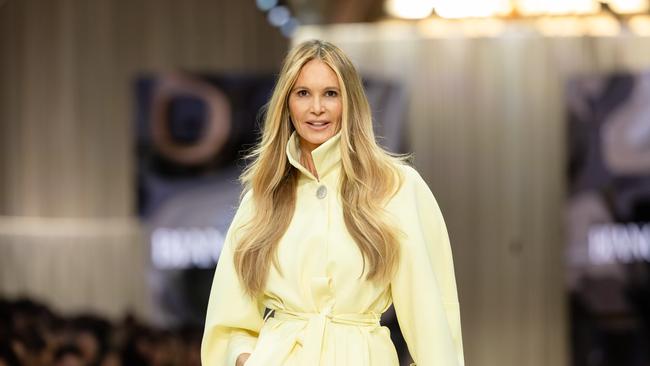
[{"x": 306, "y": 88}]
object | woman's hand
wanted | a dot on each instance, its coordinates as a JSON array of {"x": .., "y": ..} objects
[{"x": 241, "y": 360}]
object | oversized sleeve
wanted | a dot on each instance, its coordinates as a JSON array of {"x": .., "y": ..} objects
[
  {"x": 233, "y": 318},
  {"x": 424, "y": 287}
]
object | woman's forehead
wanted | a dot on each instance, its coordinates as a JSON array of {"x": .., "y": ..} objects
[{"x": 317, "y": 73}]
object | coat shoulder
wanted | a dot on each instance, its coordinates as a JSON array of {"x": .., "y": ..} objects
[{"x": 411, "y": 179}]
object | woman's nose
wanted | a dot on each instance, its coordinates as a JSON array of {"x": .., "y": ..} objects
[{"x": 317, "y": 106}]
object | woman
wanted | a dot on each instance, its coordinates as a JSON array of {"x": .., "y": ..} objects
[{"x": 330, "y": 230}]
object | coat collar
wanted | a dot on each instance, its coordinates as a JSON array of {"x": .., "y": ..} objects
[{"x": 326, "y": 156}]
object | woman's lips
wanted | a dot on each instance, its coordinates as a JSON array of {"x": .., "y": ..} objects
[{"x": 318, "y": 125}]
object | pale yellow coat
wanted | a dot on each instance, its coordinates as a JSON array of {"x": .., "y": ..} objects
[{"x": 325, "y": 314}]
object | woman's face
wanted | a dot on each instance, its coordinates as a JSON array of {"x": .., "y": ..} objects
[{"x": 315, "y": 104}]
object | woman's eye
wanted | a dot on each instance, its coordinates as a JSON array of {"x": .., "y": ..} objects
[
  {"x": 331, "y": 93},
  {"x": 302, "y": 93}
]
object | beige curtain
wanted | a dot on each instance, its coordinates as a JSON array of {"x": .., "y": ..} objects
[
  {"x": 488, "y": 132},
  {"x": 67, "y": 231}
]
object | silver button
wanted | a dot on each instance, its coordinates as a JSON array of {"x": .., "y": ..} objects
[{"x": 321, "y": 192}]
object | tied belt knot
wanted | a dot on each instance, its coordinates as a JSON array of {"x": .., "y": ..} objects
[{"x": 314, "y": 331}]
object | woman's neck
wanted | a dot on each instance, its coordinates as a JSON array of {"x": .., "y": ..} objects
[{"x": 307, "y": 161}]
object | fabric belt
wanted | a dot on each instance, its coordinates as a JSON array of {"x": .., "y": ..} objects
[{"x": 314, "y": 330}]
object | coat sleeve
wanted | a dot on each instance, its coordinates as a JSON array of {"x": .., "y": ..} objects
[
  {"x": 424, "y": 287},
  {"x": 233, "y": 318}
]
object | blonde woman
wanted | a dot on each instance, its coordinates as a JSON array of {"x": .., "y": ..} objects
[{"x": 331, "y": 230}]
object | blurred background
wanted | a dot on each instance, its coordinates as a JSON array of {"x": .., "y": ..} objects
[{"x": 123, "y": 124}]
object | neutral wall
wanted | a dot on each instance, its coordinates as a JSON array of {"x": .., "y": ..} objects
[{"x": 66, "y": 142}]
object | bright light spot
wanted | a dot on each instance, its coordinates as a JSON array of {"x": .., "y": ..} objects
[
  {"x": 556, "y": 7},
  {"x": 435, "y": 28},
  {"x": 629, "y": 6},
  {"x": 453, "y": 9},
  {"x": 640, "y": 25},
  {"x": 279, "y": 15},
  {"x": 483, "y": 27},
  {"x": 409, "y": 9},
  {"x": 472, "y": 8},
  {"x": 289, "y": 28},
  {"x": 560, "y": 27},
  {"x": 266, "y": 5},
  {"x": 479, "y": 27},
  {"x": 602, "y": 25}
]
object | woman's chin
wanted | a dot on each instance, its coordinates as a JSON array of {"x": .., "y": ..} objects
[{"x": 316, "y": 139}]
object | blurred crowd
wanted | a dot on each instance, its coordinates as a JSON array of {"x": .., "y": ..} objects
[{"x": 31, "y": 334}]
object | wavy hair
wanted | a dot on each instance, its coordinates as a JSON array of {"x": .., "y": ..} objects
[{"x": 369, "y": 178}]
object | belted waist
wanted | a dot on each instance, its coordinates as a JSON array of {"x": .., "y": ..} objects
[
  {"x": 358, "y": 319},
  {"x": 314, "y": 331}
]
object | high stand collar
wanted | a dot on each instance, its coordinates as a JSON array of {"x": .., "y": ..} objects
[{"x": 326, "y": 156}]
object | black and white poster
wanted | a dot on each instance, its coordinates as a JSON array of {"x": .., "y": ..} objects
[{"x": 608, "y": 218}]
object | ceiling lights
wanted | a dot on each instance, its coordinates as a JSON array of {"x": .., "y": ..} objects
[{"x": 419, "y": 9}]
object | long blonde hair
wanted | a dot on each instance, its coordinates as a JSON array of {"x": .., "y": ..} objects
[{"x": 369, "y": 177}]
